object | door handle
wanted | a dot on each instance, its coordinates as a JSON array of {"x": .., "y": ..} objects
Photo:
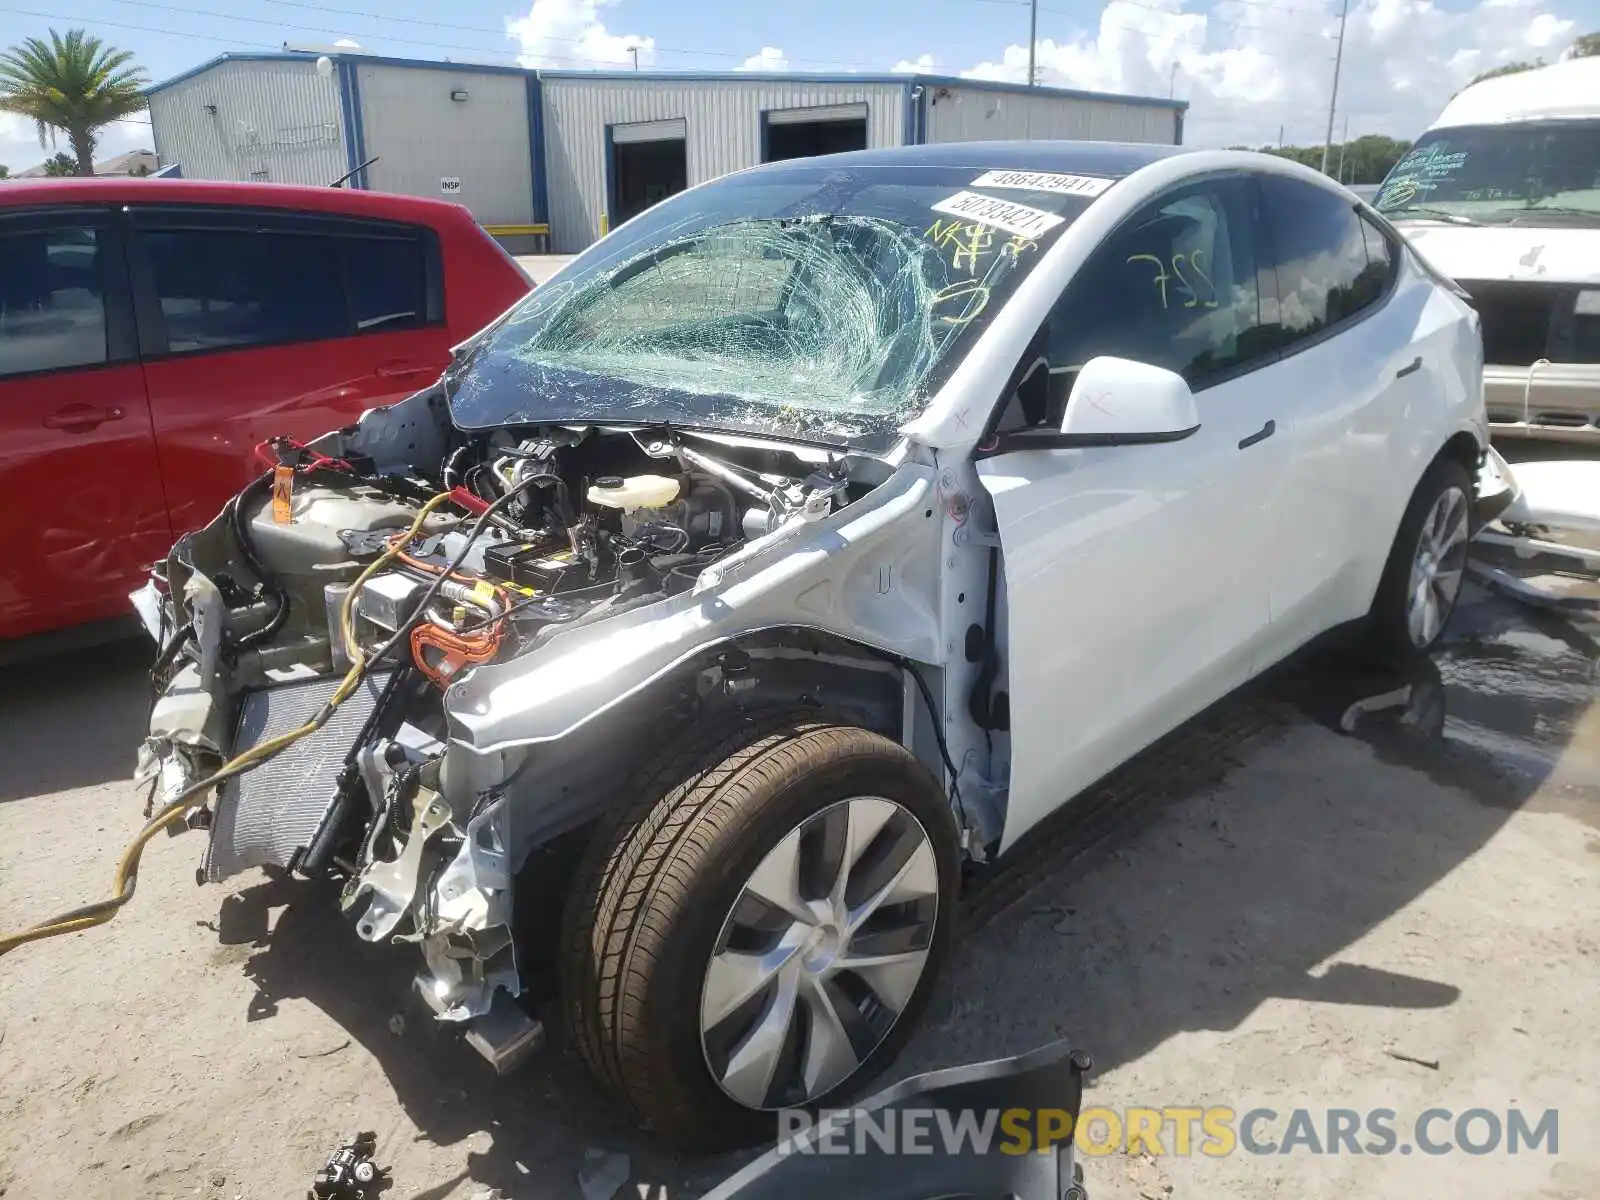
[
  {"x": 1260, "y": 435},
  {"x": 1412, "y": 367},
  {"x": 399, "y": 370},
  {"x": 80, "y": 418}
]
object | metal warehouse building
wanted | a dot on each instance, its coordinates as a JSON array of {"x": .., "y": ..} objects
[{"x": 563, "y": 156}]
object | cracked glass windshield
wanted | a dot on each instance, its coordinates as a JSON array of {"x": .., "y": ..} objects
[
  {"x": 1525, "y": 173},
  {"x": 814, "y": 302}
]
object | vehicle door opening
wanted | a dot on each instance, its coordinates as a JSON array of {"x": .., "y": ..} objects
[
  {"x": 649, "y": 162},
  {"x": 808, "y": 132}
]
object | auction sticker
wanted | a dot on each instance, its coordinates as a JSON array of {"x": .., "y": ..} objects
[
  {"x": 1002, "y": 214},
  {"x": 1044, "y": 181}
]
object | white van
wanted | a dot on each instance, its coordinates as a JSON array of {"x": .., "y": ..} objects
[{"x": 1502, "y": 194}]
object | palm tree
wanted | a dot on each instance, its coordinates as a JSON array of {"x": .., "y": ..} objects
[{"x": 74, "y": 84}]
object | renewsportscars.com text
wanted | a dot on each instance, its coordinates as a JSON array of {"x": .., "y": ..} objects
[{"x": 1214, "y": 1132}]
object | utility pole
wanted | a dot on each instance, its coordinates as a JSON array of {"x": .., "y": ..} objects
[
  {"x": 1172, "y": 81},
  {"x": 1333, "y": 98},
  {"x": 634, "y": 50},
  {"x": 1280, "y": 136},
  {"x": 1033, "y": 37},
  {"x": 1345, "y": 141}
]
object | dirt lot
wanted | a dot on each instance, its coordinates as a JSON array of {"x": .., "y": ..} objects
[{"x": 1271, "y": 939}]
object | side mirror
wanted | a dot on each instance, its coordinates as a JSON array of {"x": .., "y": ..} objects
[
  {"x": 1114, "y": 402},
  {"x": 1119, "y": 402}
]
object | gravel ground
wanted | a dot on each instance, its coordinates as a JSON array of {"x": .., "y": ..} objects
[{"x": 1274, "y": 939}]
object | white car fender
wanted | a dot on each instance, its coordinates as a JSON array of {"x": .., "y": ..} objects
[{"x": 868, "y": 573}]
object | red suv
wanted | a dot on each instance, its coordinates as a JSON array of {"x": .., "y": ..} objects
[{"x": 153, "y": 332}]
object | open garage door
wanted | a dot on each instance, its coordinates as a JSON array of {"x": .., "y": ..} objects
[
  {"x": 649, "y": 162},
  {"x": 804, "y": 132}
]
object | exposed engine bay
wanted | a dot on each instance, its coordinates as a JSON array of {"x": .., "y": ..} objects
[{"x": 501, "y": 545}]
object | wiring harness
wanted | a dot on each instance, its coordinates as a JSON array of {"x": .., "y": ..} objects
[{"x": 125, "y": 881}]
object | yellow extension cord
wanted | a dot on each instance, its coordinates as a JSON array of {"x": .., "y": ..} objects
[{"x": 128, "y": 867}]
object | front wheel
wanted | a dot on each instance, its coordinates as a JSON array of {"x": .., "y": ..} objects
[
  {"x": 1427, "y": 564},
  {"x": 761, "y": 928}
]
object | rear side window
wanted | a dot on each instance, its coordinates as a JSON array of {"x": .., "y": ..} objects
[
  {"x": 386, "y": 279},
  {"x": 1330, "y": 263},
  {"x": 223, "y": 288},
  {"x": 52, "y": 300}
]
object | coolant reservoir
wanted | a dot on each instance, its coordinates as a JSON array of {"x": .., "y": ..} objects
[{"x": 636, "y": 491}]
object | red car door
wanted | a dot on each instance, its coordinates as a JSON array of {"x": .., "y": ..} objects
[
  {"x": 82, "y": 514},
  {"x": 257, "y": 324}
]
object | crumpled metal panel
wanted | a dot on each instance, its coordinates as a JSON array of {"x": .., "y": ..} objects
[{"x": 265, "y": 816}]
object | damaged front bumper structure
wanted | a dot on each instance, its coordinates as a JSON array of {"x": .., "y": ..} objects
[
  {"x": 520, "y": 651},
  {"x": 425, "y": 871}
]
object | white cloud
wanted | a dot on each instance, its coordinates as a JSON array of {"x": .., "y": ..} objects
[
  {"x": 1246, "y": 68},
  {"x": 770, "y": 59},
  {"x": 19, "y": 144},
  {"x": 570, "y": 33},
  {"x": 923, "y": 64}
]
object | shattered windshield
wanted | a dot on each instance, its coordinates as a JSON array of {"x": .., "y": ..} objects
[
  {"x": 1523, "y": 173},
  {"x": 815, "y": 302}
]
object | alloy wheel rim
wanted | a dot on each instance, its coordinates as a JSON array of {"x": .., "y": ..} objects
[
  {"x": 820, "y": 953},
  {"x": 1437, "y": 566}
]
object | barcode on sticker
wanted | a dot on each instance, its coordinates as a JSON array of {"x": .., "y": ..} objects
[
  {"x": 1002, "y": 214},
  {"x": 1044, "y": 181}
]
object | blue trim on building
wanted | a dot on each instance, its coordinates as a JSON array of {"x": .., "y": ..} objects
[
  {"x": 987, "y": 85},
  {"x": 232, "y": 56},
  {"x": 609, "y": 190},
  {"x": 311, "y": 57},
  {"x": 348, "y": 118},
  {"x": 983, "y": 85},
  {"x": 766, "y": 140},
  {"x": 428, "y": 64},
  {"x": 541, "y": 196},
  {"x": 908, "y": 125},
  {"x": 360, "y": 126},
  {"x": 1177, "y": 133}
]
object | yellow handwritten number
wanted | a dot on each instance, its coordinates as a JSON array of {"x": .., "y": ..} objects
[
  {"x": 1197, "y": 265},
  {"x": 1177, "y": 273},
  {"x": 1014, "y": 248},
  {"x": 1161, "y": 273},
  {"x": 969, "y": 242},
  {"x": 973, "y": 293}
]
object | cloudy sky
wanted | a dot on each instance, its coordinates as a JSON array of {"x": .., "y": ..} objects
[{"x": 1247, "y": 67}]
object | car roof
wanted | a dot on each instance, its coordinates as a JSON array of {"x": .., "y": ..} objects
[
  {"x": 1563, "y": 90},
  {"x": 1110, "y": 160},
  {"x": 121, "y": 190}
]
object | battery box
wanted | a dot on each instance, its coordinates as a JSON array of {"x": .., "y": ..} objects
[{"x": 537, "y": 565}]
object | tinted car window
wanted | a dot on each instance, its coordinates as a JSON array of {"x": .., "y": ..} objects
[
  {"x": 1175, "y": 286},
  {"x": 386, "y": 279},
  {"x": 1382, "y": 256},
  {"x": 1320, "y": 246},
  {"x": 244, "y": 287},
  {"x": 52, "y": 300}
]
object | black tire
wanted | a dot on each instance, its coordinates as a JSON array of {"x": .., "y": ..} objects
[
  {"x": 1389, "y": 632},
  {"x": 658, "y": 879}
]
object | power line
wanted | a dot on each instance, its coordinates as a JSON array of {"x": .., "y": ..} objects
[
  {"x": 181, "y": 33},
  {"x": 502, "y": 34},
  {"x": 1222, "y": 22}
]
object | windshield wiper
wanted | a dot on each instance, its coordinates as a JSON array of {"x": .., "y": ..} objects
[
  {"x": 1430, "y": 214},
  {"x": 1535, "y": 211}
]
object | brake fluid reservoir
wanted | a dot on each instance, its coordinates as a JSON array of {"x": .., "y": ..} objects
[{"x": 636, "y": 491}]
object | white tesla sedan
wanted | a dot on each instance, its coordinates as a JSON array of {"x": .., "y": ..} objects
[{"x": 824, "y": 526}]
